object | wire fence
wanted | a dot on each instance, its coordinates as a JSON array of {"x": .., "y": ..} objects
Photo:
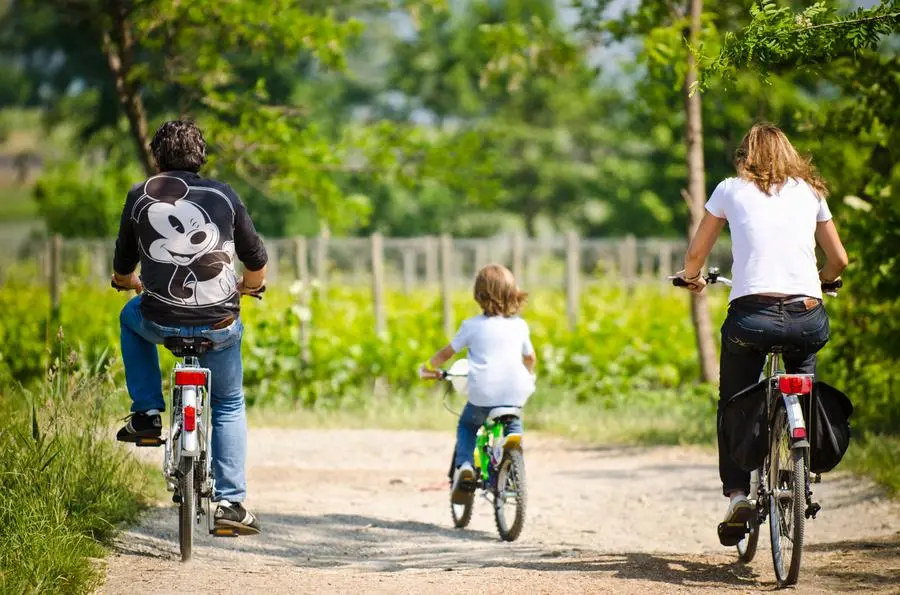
[
  {"x": 443, "y": 264},
  {"x": 407, "y": 263}
]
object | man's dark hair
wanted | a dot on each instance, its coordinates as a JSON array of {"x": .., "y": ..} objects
[{"x": 179, "y": 145}]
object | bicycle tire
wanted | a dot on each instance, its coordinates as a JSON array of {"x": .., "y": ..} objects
[
  {"x": 512, "y": 467},
  {"x": 786, "y": 522},
  {"x": 187, "y": 508},
  {"x": 462, "y": 513},
  {"x": 746, "y": 548}
]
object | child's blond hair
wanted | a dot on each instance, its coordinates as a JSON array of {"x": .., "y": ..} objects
[{"x": 497, "y": 293}]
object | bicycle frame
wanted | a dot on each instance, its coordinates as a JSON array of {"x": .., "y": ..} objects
[
  {"x": 488, "y": 450},
  {"x": 189, "y": 434},
  {"x": 796, "y": 422}
]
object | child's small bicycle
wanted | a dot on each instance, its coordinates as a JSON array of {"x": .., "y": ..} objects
[{"x": 499, "y": 465}]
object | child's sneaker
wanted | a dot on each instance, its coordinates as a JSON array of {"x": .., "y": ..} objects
[{"x": 463, "y": 484}]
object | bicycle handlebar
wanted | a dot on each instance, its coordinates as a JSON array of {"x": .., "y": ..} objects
[
  {"x": 255, "y": 294},
  {"x": 713, "y": 276}
]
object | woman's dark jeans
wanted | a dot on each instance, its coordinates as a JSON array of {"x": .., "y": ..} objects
[{"x": 754, "y": 326}]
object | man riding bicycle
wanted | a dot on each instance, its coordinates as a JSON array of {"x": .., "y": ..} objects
[{"x": 186, "y": 232}]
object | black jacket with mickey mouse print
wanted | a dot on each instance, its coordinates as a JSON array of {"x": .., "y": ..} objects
[{"x": 186, "y": 231}]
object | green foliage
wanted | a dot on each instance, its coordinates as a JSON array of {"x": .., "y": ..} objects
[
  {"x": 617, "y": 352},
  {"x": 236, "y": 68},
  {"x": 64, "y": 488},
  {"x": 81, "y": 199},
  {"x": 780, "y": 38}
]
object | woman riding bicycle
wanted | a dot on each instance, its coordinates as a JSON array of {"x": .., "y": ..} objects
[{"x": 776, "y": 211}]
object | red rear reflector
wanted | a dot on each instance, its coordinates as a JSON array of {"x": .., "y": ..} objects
[
  {"x": 798, "y": 433},
  {"x": 795, "y": 385},
  {"x": 190, "y": 378},
  {"x": 190, "y": 418}
]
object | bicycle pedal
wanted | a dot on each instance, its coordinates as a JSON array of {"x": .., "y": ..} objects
[
  {"x": 224, "y": 532},
  {"x": 812, "y": 510},
  {"x": 149, "y": 442},
  {"x": 731, "y": 534}
]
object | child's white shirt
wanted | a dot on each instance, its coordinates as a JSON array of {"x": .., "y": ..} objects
[{"x": 496, "y": 344}]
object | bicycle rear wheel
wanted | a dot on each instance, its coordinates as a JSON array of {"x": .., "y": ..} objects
[
  {"x": 510, "y": 490},
  {"x": 187, "y": 513},
  {"x": 746, "y": 547},
  {"x": 787, "y": 512}
]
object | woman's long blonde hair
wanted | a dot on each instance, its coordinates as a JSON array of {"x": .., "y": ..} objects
[{"x": 768, "y": 159}]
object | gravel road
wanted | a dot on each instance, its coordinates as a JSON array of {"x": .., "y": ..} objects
[{"x": 366, "y": 511}]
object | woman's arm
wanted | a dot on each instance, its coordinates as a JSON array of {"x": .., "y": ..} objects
[
  {"x": 701, "y": 245},
  {"x": 835, "y": 255},
  {"x": 530, "y": 362}
]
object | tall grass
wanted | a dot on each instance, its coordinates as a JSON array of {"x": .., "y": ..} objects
[{"x": 64, "y": 485}]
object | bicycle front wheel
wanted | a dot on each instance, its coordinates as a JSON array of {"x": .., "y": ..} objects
[
  {"x": 187, "y": 508},
  {"x": 787, "y": 499},
  {"x": 510, "y": 495}
]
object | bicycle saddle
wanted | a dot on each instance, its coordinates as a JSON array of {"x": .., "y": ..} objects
[
  {"x": 501, "y": 413},
  {"x": 188, "y": 346}
]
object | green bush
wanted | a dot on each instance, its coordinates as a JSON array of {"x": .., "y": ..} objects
[
  {"x": 64, "y": 488},
  {"x": 628, "y": 341}
]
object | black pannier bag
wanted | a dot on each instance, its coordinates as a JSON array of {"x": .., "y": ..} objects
[
  {"x": 745, "y": 430},
  {"x": 744, "y": 427},
  {"x": 828, "y": 427}
]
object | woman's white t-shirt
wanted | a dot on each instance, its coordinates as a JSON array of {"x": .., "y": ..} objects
[
  {"x": 773, "y": 240},
  {"x": 496, "y": 345}
]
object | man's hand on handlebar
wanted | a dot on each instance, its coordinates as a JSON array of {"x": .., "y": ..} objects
[
  {"x": 127, "y": 282},
  {"x": 251, "y": 291}
]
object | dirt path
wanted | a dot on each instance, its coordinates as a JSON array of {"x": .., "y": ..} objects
[{"x": 356, "y": 511}]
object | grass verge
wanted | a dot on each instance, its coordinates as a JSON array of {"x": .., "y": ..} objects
[
  {"x": 878, "y": 457},
  {"x": 65, "y": 487},
  {"x": 653, "y": 417}
]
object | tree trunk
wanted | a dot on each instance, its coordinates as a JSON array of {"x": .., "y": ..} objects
[
  {"x": 696, "y": 196},
  {"x": 118, "y": 46}
]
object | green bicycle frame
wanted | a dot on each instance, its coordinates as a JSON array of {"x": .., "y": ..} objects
[{"x": 490, "y": 434}]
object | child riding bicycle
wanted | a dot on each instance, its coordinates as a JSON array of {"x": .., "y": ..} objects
[{"x": 501, "y": 365}]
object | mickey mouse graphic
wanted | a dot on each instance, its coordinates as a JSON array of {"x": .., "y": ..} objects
[{"x": 181, "y": 233}]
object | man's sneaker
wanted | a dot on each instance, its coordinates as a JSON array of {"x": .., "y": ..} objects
[
  {"x": 140, "y": 425},
  {"x": 233, "y": 515},
  {"x": 463, "y": 484},
  {"x": 734, "y": 527}
]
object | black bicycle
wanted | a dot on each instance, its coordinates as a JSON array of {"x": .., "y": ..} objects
[{"x": 780, "y": 487}]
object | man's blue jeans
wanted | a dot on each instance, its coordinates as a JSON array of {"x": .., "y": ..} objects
[
  {"x": 139, "y": 339},
  {"x": 470, "y": 420}
]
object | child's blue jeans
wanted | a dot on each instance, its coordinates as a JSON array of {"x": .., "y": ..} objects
[
  {"x": 140, "y": 337},
  {"x": 470, "y": 420}
]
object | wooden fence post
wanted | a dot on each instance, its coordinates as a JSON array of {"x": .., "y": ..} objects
[
  {"x": 272, "y": 270},
  {"x": 573, "y": 274},
  {"x": 409, "y": 270},
  {"x": 518, "y": 257},
  {"x": 322, "y": 259},
  {"x": 378, "y": 282},
  {"x": 301, "y": 272},
  {"x": 446, "y": 293},
  {"x": 628, "y": 262},
  {"x": 431, "y": 261},
  {"x": 665, "y": 259},
  {"x": 99, "y": 265},
  {"x": 55, "y": 258},
  {"x": 481, "y": 255}
]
